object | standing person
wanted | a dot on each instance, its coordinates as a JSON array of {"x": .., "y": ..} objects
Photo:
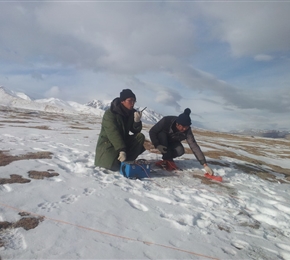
[
  {"x": 115, "y": 144},
  {"x": 167, "y": 134}
]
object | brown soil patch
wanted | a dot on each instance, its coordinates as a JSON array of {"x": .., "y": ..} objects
[
  {"x": 27, "y": 222},
  {"x": 39, "y": 175},
  {"x": 14, "y": 178},
  {"x": 6, "y": 159},
  {"x": 13, "y": 121},
  {"x": 81, "y": 128},
  {"x": 42, "y": 127},
  {"x": 149, "y": 146},
  {"x": 251, "y": 223},
  {"x": 253, "y": 166},
  {"x": 218, "y": 135}
]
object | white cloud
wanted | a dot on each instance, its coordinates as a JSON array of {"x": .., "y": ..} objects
[
  {"x": 53, "y": 92},
  {"x": 263, "y": 57},
  {"x": 115, "y": 37},
  {"x": 95, "y": 49},
  {"x": 251, "y": 27},
  {"x": 169, "y": 98}
]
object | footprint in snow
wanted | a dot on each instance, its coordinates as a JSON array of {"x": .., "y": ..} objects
[
  {"x": 268, "y": 191},
  {"x": 13, "y": 239},
  {"x": 88, "y": 191},
  {"x": 283, "y": 246},
  {"x": 63, "y": 158},
  {"x": 6, "y": 188},
  {"x": 229, "y": 251},
  {"x": 203, "y": 223},
  {"x": 239, "y": 244},
  {"x": 158, "y": 198},
  {"x": 283, "y": 208},
  {"x": 136, "y": 204},
  {"x": 48, "y": 206},
  {"x": 69, "y": 199}
]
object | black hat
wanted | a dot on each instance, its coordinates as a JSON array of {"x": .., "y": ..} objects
[
  {"x": 184, "y": 119},
  {"x": 126, "y": 93}
]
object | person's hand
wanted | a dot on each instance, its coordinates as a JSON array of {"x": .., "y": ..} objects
[
  {"x": 137, "y": 116},
  {"x": 122, "y": 156},
  {"x": 162, "y": 148},
  {"x": 208, "y": 170}
]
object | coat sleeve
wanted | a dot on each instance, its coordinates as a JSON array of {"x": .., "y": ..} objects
[
  {"x": 195, "y": 147},
  {"x": 155, "y": 130},
  {"x": 114, "y": 131}
]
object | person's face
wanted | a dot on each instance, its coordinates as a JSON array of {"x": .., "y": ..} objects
[
  {"x": 129, "y": 103},
  {"x": 181, "y": 128}
]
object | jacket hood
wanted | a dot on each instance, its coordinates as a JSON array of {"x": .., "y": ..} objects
[{"x": 118, "y": 108}]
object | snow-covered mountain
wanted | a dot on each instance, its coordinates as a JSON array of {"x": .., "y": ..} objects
[
  {"x": 263, "y": 133},
  {"x": 13, "y": 99},
  {"x": 96, "y": 107},
  {"x": 53, "y": 105},
  {"x": 104, "y": 105},
  {"x": 148, "y": 116}
]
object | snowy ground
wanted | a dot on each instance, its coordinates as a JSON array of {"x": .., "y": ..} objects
[{"x": 56, "y": 205}]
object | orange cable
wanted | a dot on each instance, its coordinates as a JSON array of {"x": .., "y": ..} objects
[{"x": 109, "y": 234}]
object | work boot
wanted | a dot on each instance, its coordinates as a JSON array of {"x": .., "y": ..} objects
[
  {"x": 162, "y": 164},
  {"x": 170, "y": 165}
]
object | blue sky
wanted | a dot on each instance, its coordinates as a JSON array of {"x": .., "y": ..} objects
[{"x": 228, "y": 61}]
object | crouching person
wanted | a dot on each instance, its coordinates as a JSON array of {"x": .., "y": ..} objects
[
  {"x": 167, "y": 134},
  {"x": 115, "y": 143}
]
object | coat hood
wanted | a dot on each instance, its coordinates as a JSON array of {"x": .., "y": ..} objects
[{"x": 118, "y": 108}]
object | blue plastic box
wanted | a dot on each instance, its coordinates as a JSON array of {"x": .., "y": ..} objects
[{"x": 135, "y": 170}]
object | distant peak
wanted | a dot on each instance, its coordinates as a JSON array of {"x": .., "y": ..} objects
[
  {"x": 104, "y": 105},
  {"x": 14, "y": 94}
]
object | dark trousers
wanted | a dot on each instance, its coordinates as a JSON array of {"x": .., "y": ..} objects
[
  {"x": 135, "y": 146},
  {"x": 174, "y": 149}
]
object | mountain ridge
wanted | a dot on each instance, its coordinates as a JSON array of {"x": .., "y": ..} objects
[{"x": 97, "y": 107}]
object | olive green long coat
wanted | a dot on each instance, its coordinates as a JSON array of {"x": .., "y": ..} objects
[{"x": 116, "y": 125}]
